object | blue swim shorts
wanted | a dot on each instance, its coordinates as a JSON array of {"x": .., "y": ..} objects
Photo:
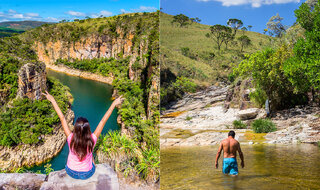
[{"x": 230, "y": 166}]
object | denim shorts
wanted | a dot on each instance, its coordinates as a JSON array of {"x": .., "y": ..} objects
[{"x": 80, "y": 175}]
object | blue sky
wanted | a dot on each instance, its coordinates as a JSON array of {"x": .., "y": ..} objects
[
  {"x": 48, "y": 10},
  {"x": 251, "y": 12}
]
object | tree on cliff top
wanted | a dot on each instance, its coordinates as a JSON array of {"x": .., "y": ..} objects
[
  {"x": 181, "y": 19},
  {"x": 235, "y": 24},
  {"x": 219, "y": 34}
]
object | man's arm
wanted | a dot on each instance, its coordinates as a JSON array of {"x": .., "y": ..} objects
[
  {"x": 218, "y": 154},
  {"x": 241, "y": 155}
]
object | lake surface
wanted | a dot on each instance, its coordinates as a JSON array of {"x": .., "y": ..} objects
[
  {"x": 91, "y": 100},
  {"x": 266, "y": 167}
]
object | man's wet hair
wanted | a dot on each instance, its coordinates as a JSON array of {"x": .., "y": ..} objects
[{"x": 232, "y": 134}]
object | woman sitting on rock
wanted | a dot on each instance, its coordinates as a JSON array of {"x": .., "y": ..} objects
[{"x": 81, "y": 141}]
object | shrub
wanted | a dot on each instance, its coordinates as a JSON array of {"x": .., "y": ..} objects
[
  {"x": 48, "y": 169},
  {"x": 263, "y": 126},
  {"x": 238, "y": 124},
  {"x": 149, "y": 164}
]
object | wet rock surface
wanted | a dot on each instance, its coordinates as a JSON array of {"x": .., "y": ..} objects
[
  {"x": 296, "y": 125},
  {"x": 202, "y": 119},
  {"x": 199, "y": 120}
]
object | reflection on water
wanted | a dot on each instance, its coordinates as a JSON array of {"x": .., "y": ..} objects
[
  {"x": 266, "y": 167},
  {"x": 91, "y": 100}
]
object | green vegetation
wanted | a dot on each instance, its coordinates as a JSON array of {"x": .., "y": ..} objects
[
  {"x": 22, "y": 25},
  {"x": 137, "y": 24},
  {"x": 32, "y": 118},
  {"x": 187, "y": 53},
  {"x": 7, "y": 32},
  {"x": 139, "y": 112},
  {"x": 263, "y": 126},
  {"x": 238, "y": 124},
  {"x": 143, "y": 161},
  {"x": 48, "y": 169},
  {"x": 177, "y": 89},
  {"x": 104, "y": 66},
  {"x": 286, "y": 75}
]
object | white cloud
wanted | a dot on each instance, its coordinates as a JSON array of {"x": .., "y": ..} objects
[
  {"x": 32, "y": 14},
  {"x": 74, "y": 13},
  {"x": 14, "y": 15},
  {"x": 51, "y": 19},
  {"x": 254, "y": 3},
  {"x": 145, "y": 9},
  {"x": 12, "y": 11},
  {"x": 103, "y": 13},
  {"x": 123, "y": 11}
]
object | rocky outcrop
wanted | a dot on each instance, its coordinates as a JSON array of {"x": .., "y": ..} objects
[
  {"x": 88, "y": 47},
  {"x": 12, "y": 181},
  {"x": 198, "y": 100},
  {"x": 103, "y": 178},
  {"x": 195, "y": 121},
  {"x": 202, "y": 119},
  {"x": 95, "y": 46},
  {"x": 238, "y": 95},
  {"x": 28, "y": 155},
  {"x": 296, "y": 125},
  {"x": 32, "y": 80},
  {"x": 248, "y": 113}
]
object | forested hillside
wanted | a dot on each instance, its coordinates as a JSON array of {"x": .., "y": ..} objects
[
  {"x": 191, "y": 57},
  {"x": 126, "y": 49}
]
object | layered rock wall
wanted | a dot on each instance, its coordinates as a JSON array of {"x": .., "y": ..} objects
[{"x": 32, "y": 80}]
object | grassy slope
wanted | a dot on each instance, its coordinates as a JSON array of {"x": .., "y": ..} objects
[{"x": 173, "y": 38}]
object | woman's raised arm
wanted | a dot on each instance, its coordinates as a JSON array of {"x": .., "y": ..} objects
[
  {"x": 64, "y": 124},
  {"x": 106, "y": 116}
]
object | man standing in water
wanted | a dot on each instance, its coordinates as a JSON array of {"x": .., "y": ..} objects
[{"x": 230, "y": 146}]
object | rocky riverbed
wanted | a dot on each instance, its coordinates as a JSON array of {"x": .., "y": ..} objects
[{"x": 202, "y": 119}]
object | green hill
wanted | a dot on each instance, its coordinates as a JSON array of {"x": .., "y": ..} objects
[
  {"x": 6, "y": 32},
  {"x": 203, "y": 63},
  {"x": 22, "y": 25}
]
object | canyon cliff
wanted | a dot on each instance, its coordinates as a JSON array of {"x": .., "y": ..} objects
[{"x": 32, "y": 80}]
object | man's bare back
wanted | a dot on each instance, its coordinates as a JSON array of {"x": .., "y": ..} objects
[{"x": 230, "y": 147}]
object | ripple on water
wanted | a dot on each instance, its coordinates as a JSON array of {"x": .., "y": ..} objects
[{"x": 266, "y": 167}]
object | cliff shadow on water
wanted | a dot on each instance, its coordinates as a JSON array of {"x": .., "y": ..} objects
[{"x": 91, "y": 100}]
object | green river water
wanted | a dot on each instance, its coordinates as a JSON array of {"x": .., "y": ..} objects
[
  {"x": 267, "y": 167},
  {"x": 91, "y": 100}
]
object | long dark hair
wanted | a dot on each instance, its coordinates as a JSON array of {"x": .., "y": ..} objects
[{"x": 81, "y": 142}]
